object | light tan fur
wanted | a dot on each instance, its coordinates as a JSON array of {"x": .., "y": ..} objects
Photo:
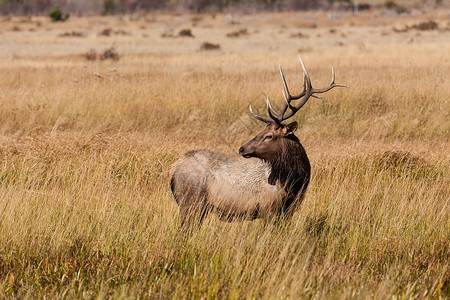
[{"x": 234, "y": 185}]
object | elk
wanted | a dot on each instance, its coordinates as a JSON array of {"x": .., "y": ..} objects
[{"x": 269, "y": 178}]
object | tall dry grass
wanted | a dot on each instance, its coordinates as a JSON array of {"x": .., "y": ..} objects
[{"x": 86, "y": 211}]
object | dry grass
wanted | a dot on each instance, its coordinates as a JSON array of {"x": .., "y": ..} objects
[{"x": 85, "y": 207}]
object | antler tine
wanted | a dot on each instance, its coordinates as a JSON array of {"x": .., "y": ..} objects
[
  {"x": 333, "y": 77},
  {"x": 331, "y": 85},
  {"x": 287, "y": 96},
  {"x": 306, "y": 78},
  {"x": 265, "y": 120},
  {"x": 286, "y": 89},
  {"x": 272, "y": 113},
  {"x": 287, "y": 102}
]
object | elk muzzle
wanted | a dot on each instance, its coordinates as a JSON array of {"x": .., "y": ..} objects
[{"x": 244, "y": 152}]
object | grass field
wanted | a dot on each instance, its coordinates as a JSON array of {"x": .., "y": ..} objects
[{"x": 85, "y": 146}]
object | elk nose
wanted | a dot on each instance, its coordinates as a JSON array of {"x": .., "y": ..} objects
[{"x": 241, "y": 150}]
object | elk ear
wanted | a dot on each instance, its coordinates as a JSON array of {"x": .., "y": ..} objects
[{"x": 290, "y": 128}]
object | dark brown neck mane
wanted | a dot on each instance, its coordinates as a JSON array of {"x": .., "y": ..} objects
[{"x": 291, "y": 168}]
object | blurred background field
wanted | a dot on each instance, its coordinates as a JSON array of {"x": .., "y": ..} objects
[{"x": 94, "y": 110}]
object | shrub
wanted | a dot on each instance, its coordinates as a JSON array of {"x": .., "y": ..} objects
[
  {"x": 109, "y": 7},
  {"x": 57, "y": 15},
  {"x": 71, "y": 34},
  {"x": 106, "y": 32},
  {"x": 392, "y": 5},
  {"x": 91, "y": 55},
  {"x": 110, "y": 53},
  {"x": 238, "y": 33},
  {"x": 209, "y": 46},
  {"x": 185, "y": 33}
]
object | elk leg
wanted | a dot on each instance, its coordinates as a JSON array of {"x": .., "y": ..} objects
[
  {"x": 191, "y": 218},
  {"x": 193, "y": 211},
  {"x": 189, "y": 190}
]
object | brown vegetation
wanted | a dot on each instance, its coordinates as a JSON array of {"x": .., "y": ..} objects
[
  {"x": 85, "y": 205},
  {"x": 71, "y": 34},
  {"x": 109, "y": 31},
  {"x": 238, "y": 33},
  {"x": 209, "y": 46},
  {"x": 185, "y": 33},
  {"x": 299, "y": 35},
  {"x": 109, "y": 53},
  {"x": 427, "y": 25}
]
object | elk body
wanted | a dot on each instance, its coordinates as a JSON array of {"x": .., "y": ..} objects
[{"x": 269, "y": 177}]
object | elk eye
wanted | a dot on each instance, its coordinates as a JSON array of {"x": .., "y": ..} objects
[{"x": 268, "y": 137}]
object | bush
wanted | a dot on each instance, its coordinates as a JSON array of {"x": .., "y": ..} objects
[
  {"x": 110, "y": 53},
  {"x": 57, "y": 15},
  {"x": 392, "y": 5},
  {"x": 91, "y": 55},
  {"x": 109, "y": 7},
  {"x": 209, "y": 46}
]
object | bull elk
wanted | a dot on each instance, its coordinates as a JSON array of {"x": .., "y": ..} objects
[{"x": 272, "y": 183}]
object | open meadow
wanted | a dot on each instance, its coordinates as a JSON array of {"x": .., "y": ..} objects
[{"x": 87, "y": 137}]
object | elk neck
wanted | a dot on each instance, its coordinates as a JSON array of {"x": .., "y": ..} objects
[{"x": 291, "y": 167}]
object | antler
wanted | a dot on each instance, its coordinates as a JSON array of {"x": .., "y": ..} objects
[{"x": 308, "y": 91}]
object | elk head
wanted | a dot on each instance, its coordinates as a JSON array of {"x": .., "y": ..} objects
[{"x": 268, "y": 144}]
